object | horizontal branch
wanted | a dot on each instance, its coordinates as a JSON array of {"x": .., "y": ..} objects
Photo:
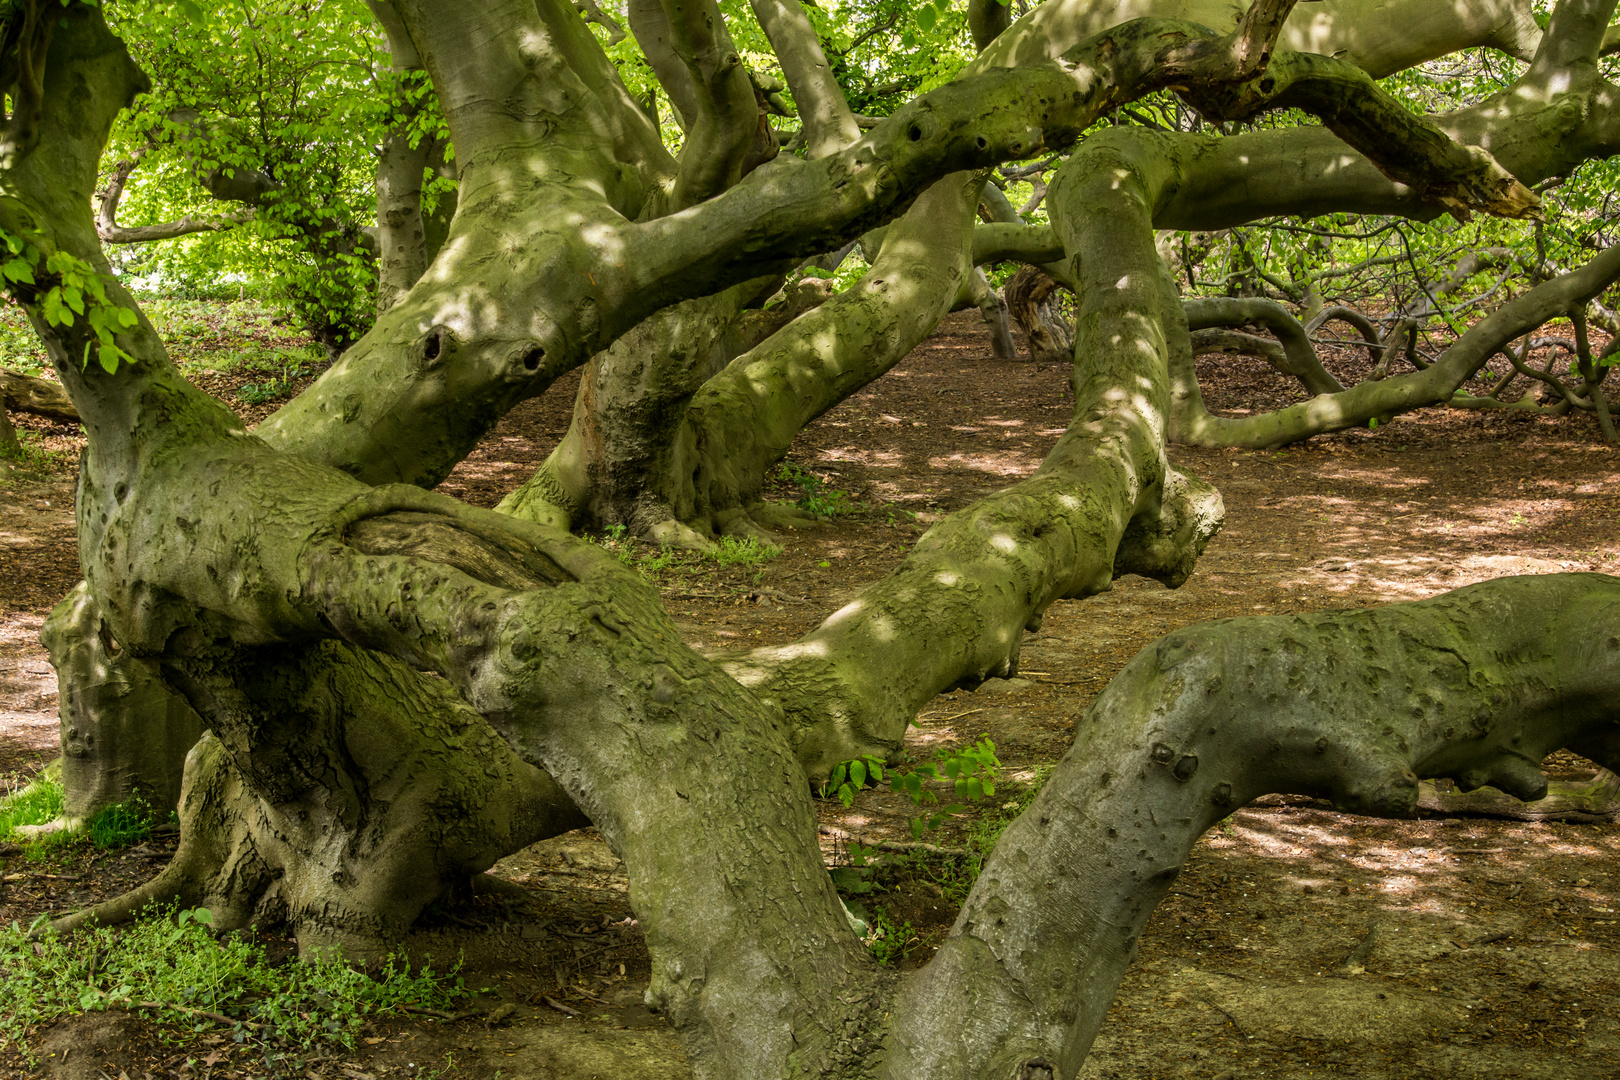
[
  {"x": 1477, "y": 685},
  {"x": 41, "y": 397}
]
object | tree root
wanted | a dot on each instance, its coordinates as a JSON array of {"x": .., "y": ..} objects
[{"x": 1596, "y": 801}]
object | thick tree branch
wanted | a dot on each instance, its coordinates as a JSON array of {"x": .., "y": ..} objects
[
  {"x": 1103, "y": 502},
  {"x": 1476, "y": 685},
  {"x": 987, "y": 20},
  {"x": 1570, "y": 46},
  {"x": 829, "y": 126},
  {"x": 1357, "y": 31},
  {"x": 651, "y": 27},
  {"x": 1000, "y": 241},
  {"x": 1383, "y": 399},
  {"x": 111, "y": 232},
  {"x": 724, "y": 138},
  {"x": 1297, "y": 354}
]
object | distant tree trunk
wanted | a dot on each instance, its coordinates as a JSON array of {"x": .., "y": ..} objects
[
  {"x": 993, "y": 308},
  {"x": 125, "y": 730},
  {"x": 1029, "y": 295}
]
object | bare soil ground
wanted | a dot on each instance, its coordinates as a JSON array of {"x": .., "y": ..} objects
[{"x": 1497, "y": 945}]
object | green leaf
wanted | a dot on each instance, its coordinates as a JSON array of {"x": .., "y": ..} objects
[
  {"x": 18, "y": 270},
  {"x": 190, "y": 10},
  {"x": 926, "y": 18},
  {"x": 857, "y": 773},
  {"x": 875, "y": 767},
  {"x": 953, "y": 767},
  {"x": 975, "y": 789},
  {"x": 109, "y": 356}
]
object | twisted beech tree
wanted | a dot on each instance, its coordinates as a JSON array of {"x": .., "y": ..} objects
[{"x": 399, "y": 688}]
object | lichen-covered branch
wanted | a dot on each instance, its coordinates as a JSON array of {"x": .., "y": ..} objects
[
  {"x": 829, "y": 126},
  {"x": 1296, "y": 356},
  {"x": 1477, "y": 685}
]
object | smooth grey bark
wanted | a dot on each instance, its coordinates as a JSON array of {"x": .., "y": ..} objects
[
  {"x": 987, "y": 19},
  {"x": 1380, "y": 36},
  {"x": 829, "y": 125},
  {"x": 677, "y": 448},
  {"x": 993, "y": 308},
  {"x": 1296, "y": 355},
  {"x": 728, "y": 135},
  {"x": 125, "y": 732},
  {"x": 1477, "y": 685},
  {"x": 401, "y": 236}
]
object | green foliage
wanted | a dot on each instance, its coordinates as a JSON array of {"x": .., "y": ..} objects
[
  {"x": 34, "y": 803},
  {"x": 869, "y": 873},
  {"x": 817, "y": 497},
  {"x": 67, "y": 292},
  {"x": 173, "y": 960},
  {"x": 970, "y": 771},
  {"x": 20, "y": 347},
  {"x": 887, "y": 942},
  {"x": 748, "y": 551},
  {"x": 848, "y": 777},
  {"x": 280, "y": 101}
]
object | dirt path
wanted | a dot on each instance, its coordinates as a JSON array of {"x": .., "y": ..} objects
[{"x": 1497, "y": 946}]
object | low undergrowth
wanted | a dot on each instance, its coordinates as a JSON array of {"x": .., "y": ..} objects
[
  {"x": 814, "y": 496},
  {"x": 32, "y": 456},
  {"x": 728, "y": 551},
  {"x": 872, "y": 879},
  {"x": 170, "y": 965},
  {"x": 40, "y": 802}
]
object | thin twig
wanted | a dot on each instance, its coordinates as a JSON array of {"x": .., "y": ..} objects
[{"x": 899, "y": 847}]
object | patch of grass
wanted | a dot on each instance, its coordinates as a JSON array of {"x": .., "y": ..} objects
[
  {"x": 730, "y": 551},
  {"x": 20, "y": 347},
  {"x": 170, "y": 965},
  {"x": 33, "y": 803},
  {"x": 871, "y": 872},
  {"x": 41, "y": 801}
]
